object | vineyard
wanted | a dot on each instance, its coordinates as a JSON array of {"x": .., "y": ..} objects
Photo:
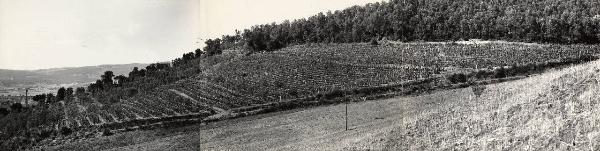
[{"x": 303, "y": 71}]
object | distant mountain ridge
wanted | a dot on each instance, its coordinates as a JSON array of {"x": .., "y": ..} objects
[{"x": 14, "y": 79}]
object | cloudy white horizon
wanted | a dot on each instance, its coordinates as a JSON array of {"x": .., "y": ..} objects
[{"x": 40, "y": 34}]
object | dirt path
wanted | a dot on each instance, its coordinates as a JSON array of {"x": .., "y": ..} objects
[{"x": 220, "y": 110}]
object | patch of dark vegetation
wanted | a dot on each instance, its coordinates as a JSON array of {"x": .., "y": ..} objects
[
  {"x": 66, "y": 131},
  {"x": 518, "y": 70}
]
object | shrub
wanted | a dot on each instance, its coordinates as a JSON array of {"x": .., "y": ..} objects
[
  {"x": 66, "y": 131},
  {"x": 374, "y": 42},
  {"x": 457, "y": 78},
  {"x": 3, "y": 112},
  {"x": 293, "y": 93},
  {"x": 334, "y": 94},
  {"x": 16, "y": 107},
  {"x": 107, "y": 132},
  {"x": 481, "y": 74},
  {"x": 500, "y": 73},
  {"x": 131, "y": 92}
]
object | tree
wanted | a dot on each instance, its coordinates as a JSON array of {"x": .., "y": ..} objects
[
  {"x": 142, "y": 73},
  {"x": 80, "y": 91},
  {"x": 16, "y": 107},
  {"x": 50, "y": 98},
  {"x": 107, "y": 78},
  {"x": 69, "y": 92},
  {"x": 257, "y": 38},
  {"x": 41, "y": 98},
  {"x": 120, "y": 79},
  {"x": 500, "y": 73},
  {"x": 189, "y": 56},
  {"x": 212, "y": 47},
  {"x": 199, "y": 52},
  {"x": 134, "y": 73},
  {"x": 95, "y": 87},
  {"x": 60, "y": 95}
]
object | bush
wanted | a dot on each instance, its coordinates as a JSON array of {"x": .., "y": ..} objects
[
  {"x": 3, "y": 112},
  {"x": 374, "y": 42},
  {"x": 66, "y": 131},
  {"x": 16, "y": 107},
  {"x": 279, "y": 84},
  {"x": 107, "y": 132},
  {"x": 500, "y": 73},
  {"x": 131, "y": 92},
  {"x": 334, "y": 94},
  {"x": 481, "y": 74},
  {"x": 293, "y": 93},
  {"x": 457, "y": 78}
]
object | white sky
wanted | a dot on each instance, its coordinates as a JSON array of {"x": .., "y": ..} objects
[{"x": 37, "y": 34}]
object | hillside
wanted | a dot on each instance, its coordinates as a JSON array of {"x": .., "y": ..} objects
[
  {"x": 554, "y": 111},
  {"x": 242, "y": 85},
  {"x": 551, "y": 111},
  {"x": 401, "y": 49},
  {"x": 234, "y": 84}
]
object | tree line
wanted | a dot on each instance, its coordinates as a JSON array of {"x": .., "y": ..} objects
[{"x": 548, "y": 21}]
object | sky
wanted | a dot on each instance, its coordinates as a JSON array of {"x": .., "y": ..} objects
[{"x": 40, "y": 34}]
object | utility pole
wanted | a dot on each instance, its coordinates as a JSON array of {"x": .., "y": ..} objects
[{"x": 28, "y": 112}]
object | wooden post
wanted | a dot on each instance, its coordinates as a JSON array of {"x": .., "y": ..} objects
[
  {"x": 346, "y": 116},
  {"x": 26, "y": 101}
]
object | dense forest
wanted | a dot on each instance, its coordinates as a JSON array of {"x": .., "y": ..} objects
[{"x": 546, "y": 21}]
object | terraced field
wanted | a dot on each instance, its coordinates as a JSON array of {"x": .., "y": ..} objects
[
  {"x": 304, "y": 71},
  {"x": 556, "y": 110}
]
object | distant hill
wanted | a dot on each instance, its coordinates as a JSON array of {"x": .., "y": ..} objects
[{"x": 15, "y": 80}]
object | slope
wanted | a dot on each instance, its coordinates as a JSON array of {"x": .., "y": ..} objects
[
  {"x": 554, "y": 110},
  {"x": 311, "y": 73}
]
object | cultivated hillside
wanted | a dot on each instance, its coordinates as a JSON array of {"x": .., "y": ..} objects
[
  {"x": 556, "y": 110},
  {"x": 242, "y": 85}
]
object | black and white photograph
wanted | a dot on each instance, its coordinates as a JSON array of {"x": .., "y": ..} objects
[{"x": 305, "y": 75}]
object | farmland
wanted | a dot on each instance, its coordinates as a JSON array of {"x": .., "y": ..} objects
[
  {"x": 306, "y": 71},
  {"x": 236, "y": 85},
  {"x": 551, "y": 111}
]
